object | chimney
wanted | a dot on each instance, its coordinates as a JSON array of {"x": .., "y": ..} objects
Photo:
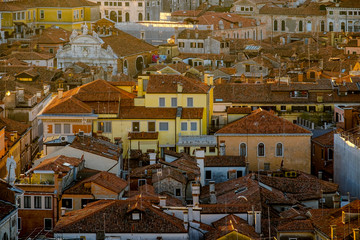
[
  {"x": 152, "y": 157},
  {"x": 209, "y": 79},
  {"x": 333, "y": 232},
  {"x": 196, "y": 33},
  {"x": 321, "y": 64},
  {"x": 60, "y": 92},
  {"x": 63, "y": 211},
  {"x": 186, "y": 219},
  {"x": 336, "y": 200},
  {"x": 348, "y": 119},
  {"x": 140, "y": 92},
  {"x": 179, "y": 87},
  {"x": 195, "y": 191},
  {"x": 200, "y": 157},
  {"x": 222, "y": 148},
  {"x": 250, "y": 217},
  {"x": 300, "y": 77},
  {"x": 320, "y": 175},
  {"x": 162, "y": 200},
  {"x": 232, "y": 174},
  {"x": 257, "y": 221},
  {"x": 109, "y": 73},
  {"x": 21, "y": 97},
  {"x": 212, "y": 192},
  {"x": 356, "y": 234},
  {"x": 187, "y": 33},
  {"x": 38, "y": 94}
]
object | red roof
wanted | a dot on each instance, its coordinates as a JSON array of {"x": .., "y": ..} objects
[{"x": 262, "y": 122}]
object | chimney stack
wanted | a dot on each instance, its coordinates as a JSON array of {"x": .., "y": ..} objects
[
  {"x": 200, "y": 158},
  {"x": 63, "y": 211},
  {"x": 257, "y": 221},
  {"x": 60, "y": 92},
  {"x": 320, "y": 175},
  {"x": 195, "y": 190},
  {"x": 212, "y": 192},
  {"x": 336, "y": 200},
  {"x": 222, "y": 148},
  {"x": 152, "y": 157},
  {"x": 162, "y": 201},
  {"x": 21, "y": 97},
  {"x": 186, "y": 219},
  {"x": 140, "y": 92},
  {"x": 196, "y": 33},
  {"x": 179, "y": 87}
]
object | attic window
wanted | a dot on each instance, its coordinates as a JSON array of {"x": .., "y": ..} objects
[{"x": 135, "y": 216}]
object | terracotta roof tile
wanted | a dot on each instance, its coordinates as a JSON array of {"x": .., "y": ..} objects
[
  {"x": 262, "y": 122},
  {"x": 224, "y": 161},
  {"x": 159, "y": 113},
  {"x": 12, "y": 125},
  {"x": 105, "y": 179},
  {"x": 296, "y": 225},
  {"x": 168, "y": 84},
  {"x": 57, "y": 164},
  {"x": 119, "y": 218},
  {"x": 326, "y": 139},
  {"x": 238, "y": 110},
  {"x": 5, "y": 209}
]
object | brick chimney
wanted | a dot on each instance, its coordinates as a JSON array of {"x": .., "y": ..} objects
[
  {"x": 195, "y": 191},
  {"x": 200, "y": 158},
  {"x": 60, "y": 92},
  {"x": 162, "y": 200},
  {"x": 186, "y": 219},
  {"x": 222, "y": 148}
]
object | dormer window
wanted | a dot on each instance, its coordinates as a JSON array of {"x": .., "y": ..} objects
[{"x": 135, "y": 216}]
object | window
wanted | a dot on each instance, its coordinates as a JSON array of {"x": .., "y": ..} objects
[
  {"x": 301, "y": 26},
  {"x": 184, "y": 126},
  {"x": 322, "y": 26},
  {"x": 261, "y": 150},
  {"x": 331, "y": 12},
  {"x": 266, "y": 166},
  {"x": 105, "y": 127},
  {"x": 106, "y": 3},
  {"x": 239, "y": 174},
  {"x": 67, "y": 203},
  {"x": 212, "y": 149},
  {"x": 247, "y": 68},
  {"x": 193, "y": 126},
  {"x": 67, "y": 128},
  {"x": 163, "y": 126},
  {"x": 330, "y": 154},
  {"x": 140, "y": 4},
  {"x": 161, "y": 102},
  {"x": 275, "y": 25},
  {"x": 174, "y": 102},
  {"x": 127, "y": 4},
  {"x": 243, "y": 150},
  {"x": 283, "y": 108},
  {"x": 178, "y": 192},
  {"x": 48, "y": 203},
  {"x": 200, "y": 45},
  {"x": 322, "y": 153},
  {"x": 47, "y": 224},
  {"x": 19, "y": 223},
  {"x": 27, "y": 201},
  {"x": 331, "y": 27},
  {"x": 82, "y": 13},
  {"x": 312, "y": 109},
  {"x": 151, "y": 126},
  {"x": 193, "y": 44},
  {"x": 279, "y": 150},
  {"x": 51, "y": 50},
  {"x": 59, "y": 14},
  {"x": 135, "y": 216},
  {"x": 282, "y": 25},
  {"x": 140, "y": 17},
  {"x": 37, "y": 202},
  {"x": 127, "y": 16},
  {"x": 208, "y": 174},
  {"x": 327, "y": 108},
  {"x": 42, "y": 14},
  {"x": 141, "y": 182},
  {"x": 190, "y": 102},
  {"x": 57, "y": 128},
  {"x": 135, "y": 126},
  {"x": 181, "y": 44}
]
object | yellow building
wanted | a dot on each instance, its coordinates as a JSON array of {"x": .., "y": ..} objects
[
  {"x": 267, "y": 142},
  {"x": 26, "y": 16}
]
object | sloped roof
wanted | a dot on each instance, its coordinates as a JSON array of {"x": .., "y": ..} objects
[
  {"x": 326, "y": 139},
  {"x": 262, "y": 122},
  {"x": 133, "y": 45},
  {"x": 59, "y": 163},
  {"x": 12, "y": 125},
  {"x": 168, "y": 84},
  {"x": 105, "y": 179},
  {"x": 119, "y": 218}
]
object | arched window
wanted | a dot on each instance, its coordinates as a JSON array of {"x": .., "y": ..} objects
[
  {"x": 140, "y": 17},
  {"x": 5, "y": 237},
  {"x": 301, "y": 27},
  {"x": 322, "y": 26},
  {"x": 127, "y": 17},
  {"x": 331, "y": 27},
  {"x": 275, "y": 25},
  {"x": 343, "y": 27},
  {"x": 282, "y": 25},
  {"x": 113, "y": 16},
  {"x": 279, "y": 150},
  {"x": 261, "y": 150},
  {"x": 139, "y": 63},
  {"x": 243, "y": 149}
]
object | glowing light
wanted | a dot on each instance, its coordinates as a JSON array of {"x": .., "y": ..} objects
[{"x": 8, "y": 93}]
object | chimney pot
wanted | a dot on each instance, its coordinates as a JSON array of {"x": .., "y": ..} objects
[{"x": 60, "y": 92}]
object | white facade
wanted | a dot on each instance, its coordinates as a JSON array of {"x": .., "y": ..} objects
[
  {"x": 343, "y": 19},
  {"x": 86, "y": 48},
  {"x": 8, "y": 226},
  {"x": 130, "y": 11}
]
